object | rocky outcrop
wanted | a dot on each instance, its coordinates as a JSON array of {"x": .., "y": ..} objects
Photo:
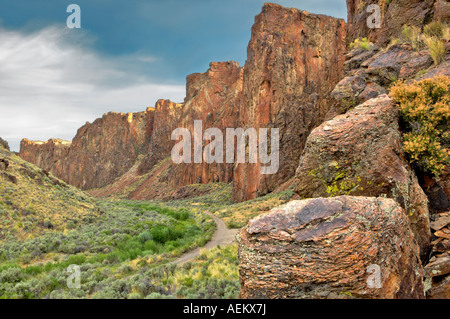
[
  {"x": 442, "y": 10},
  {"x": 294, "y": 61},
  {"x": 394, "y": 15},
  {"x": 360, "y": 153},
  {"x": 50, "y": 156},
  {"x": 99, "y": 153},
  {"x": 369, "y": 73},
  {"x": 437, "y": 271},
  {"x": 165, "y": 120},
  {"x": 4, "y": 144},
  {"x": 213, "y": 98},
  {"x": 107, "y": 148},
  {"x": 343, "y": 247}
]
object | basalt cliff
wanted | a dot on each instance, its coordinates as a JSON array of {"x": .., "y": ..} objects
[
  {"x": 295, "y": 59},
  {"x": 361, "y": 201}
]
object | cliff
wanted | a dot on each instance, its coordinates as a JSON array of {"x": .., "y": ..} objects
[
  {"x": 394, "y": 15},
  {"x": 50, "y": 155},
  {"x": 99, "y": 153},
  {"x": 213, "y": 98},
  {"x": 294, "y": 61},
  {"x": 165, "y": 120}
]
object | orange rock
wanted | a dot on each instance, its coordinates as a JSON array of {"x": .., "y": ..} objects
[
  {"x": 213, "y": 98},
  {"x": 394, "y": 15},
  {"x": 99, "y": 153},
  {"x": 294, "y": 61},
  {"x": 329, "y": 249},
  {"x": 360, "y": 153}
]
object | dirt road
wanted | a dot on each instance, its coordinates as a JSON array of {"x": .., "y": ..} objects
[{"x": 222, "y": 236}]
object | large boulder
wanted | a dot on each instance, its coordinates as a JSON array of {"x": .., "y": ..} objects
[
  {"x": 360, "y": 153},
  {"x": 343, "y": 247}
]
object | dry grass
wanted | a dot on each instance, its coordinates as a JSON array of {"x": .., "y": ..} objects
[{"x": 33, "y": 202}]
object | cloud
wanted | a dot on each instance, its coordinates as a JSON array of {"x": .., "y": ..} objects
[{"x": 52, "y": 82}]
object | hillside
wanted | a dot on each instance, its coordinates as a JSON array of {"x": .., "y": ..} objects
[{"x": 33, "y": 201}]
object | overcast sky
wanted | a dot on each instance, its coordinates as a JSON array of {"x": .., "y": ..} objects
[{"x": 126, "y": 56}]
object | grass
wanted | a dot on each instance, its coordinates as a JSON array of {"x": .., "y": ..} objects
[
  {"x": 130, "y": 236},
  {"x": 33, "y": 202},
  {"x": 219, "y": 202},
  {"x": 433, "y": 38},
  {"x": 436, "y": 48},
  {"x": 362, "y": 43}
]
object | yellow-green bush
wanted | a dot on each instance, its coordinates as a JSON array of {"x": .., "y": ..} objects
[
  {"x": 434, "y": 29},
  {"x": 412, "y": 35},
  {"x": 425, "y": 108},
  {"x": 433, "y": 38},
  {"x": 436, "y": 48},
  {"x": 361, "y": 44}
]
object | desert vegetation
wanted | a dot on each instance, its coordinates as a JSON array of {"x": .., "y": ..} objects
[
  {"x": 127, "y": 237},
  {"x": 425, "y": 109},
  {"x": 432, "y": 37}
]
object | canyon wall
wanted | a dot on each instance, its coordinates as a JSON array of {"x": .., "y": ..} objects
[
  {"x": 394, "y": 15},
  {"x": 100, "y": 152},
  {"x": 49, "y": 156},
  {"x": 294, "y": 61},
  {"x": 213, "y": 98},
  {"x": 165, "y": 120}
]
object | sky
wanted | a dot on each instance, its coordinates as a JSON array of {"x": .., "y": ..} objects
[{"x": 126, "y": 56}]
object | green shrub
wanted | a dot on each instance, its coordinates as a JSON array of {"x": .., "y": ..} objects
[
  {"x": 433, "y": 38},
  {"x": 434, "y": 29},
  {"x": 412, "y": 35},
  {"x": 425, "y": 108},
  {"x": 436, "y": 48},
  {"x": 361, "y": 44}
]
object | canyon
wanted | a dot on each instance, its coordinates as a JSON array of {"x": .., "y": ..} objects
[{"x": 336, "y": 123}]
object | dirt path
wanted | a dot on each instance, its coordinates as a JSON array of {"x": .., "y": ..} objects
[{"x": 222, "y": 236}]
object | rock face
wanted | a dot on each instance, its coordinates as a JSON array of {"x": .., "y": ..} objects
[
  {"x": 294, "y": 61},
  {"x": 437, "y": 271},
  {"x": 394, "y": 15},
  {"x": 442, "y": 10},
  {"x": 360, "y": 153},
  {"x": 99, "y": 153},
  {"x": 369, "y": 73},
  {"x": 109, "y": 146},
  {"x": 165, "y": 120},
  {"x": 50, "y": 156},
  {"x": 330, "y": 248},
  {"x": 213, "y": 98}
]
